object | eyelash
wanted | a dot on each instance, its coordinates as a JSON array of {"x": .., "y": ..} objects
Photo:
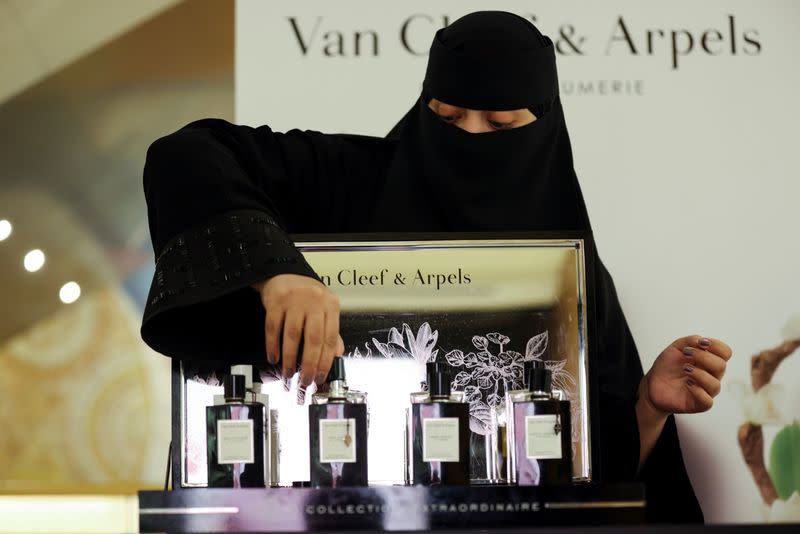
[
  {"x": 500, "y": 125},
  {"x": 494, "y": 124}
]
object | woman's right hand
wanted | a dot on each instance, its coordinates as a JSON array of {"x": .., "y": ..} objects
[{"x": 300, "y": 308}]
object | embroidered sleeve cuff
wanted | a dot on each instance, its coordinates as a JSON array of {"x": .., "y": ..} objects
[{"x": 200, "y": 302}]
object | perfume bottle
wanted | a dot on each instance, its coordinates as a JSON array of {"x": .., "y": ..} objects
[
  {"x": 253, "y": 394},
  {"x": 488, "y": 451},
  {"x": 439, "y": 432},
  {"x": 274, "y": 449},
  {"x": 490, "y": 458},
  {"x": 508, "y": 417},
  {"x": 236, "y": 438},
  {"x": 337, "y": 419},
  {"x": 541, "y": 442}
]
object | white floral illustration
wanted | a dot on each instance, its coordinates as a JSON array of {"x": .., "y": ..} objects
[
  {"x": 273, "y": 374},
  {"x": 358, "y": 355},
  {"x": 488, "y": 373},
  {"x": 483, "y": 374},
  {"x": 406, "y": 345}
]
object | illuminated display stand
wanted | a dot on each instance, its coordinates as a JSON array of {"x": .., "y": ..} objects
[{"x": 481, "y": 304}]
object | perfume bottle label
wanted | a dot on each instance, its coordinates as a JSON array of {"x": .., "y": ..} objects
[
  {"x": 337, "y": 440},
  {"x": 235, "y": 442},
  {"x": 440, "y": 439},
  {"x": 542, "y": 437}
]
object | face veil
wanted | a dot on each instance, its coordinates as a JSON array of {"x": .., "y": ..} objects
[{"x": 443, "y": 178}]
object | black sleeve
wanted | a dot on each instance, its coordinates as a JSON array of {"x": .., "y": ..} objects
[
  {"x": 668, "y": 490},
  {"x": 221, "y": 201}
]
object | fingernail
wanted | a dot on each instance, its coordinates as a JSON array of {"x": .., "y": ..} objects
[
  {"x": 704, "y": 342},
  {"x": 688, "y": 368},
  {"x": 688, "y": 351},
  {"x": 320, "y": 379},
  {"x": 689, "y": 382}
]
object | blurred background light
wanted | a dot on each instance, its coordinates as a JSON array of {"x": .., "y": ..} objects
[
  {"x": 69, "y": 292},
  {"x": 5, "y": 229},
  {"x": 34, "y": 260}
]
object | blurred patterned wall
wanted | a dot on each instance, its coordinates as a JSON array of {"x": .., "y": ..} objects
[{"x": 84, "y": 401}]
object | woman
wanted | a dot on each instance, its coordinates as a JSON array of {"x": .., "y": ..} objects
[{"x": 222, "y": 198}]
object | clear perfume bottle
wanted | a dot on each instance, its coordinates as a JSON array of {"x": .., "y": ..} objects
[
  {"x": 439, "y": 432},
  {"x": 508, "y": 417},
  {"x": 337, "y": 418},
  {"x": 236, "y": 438},
  {"x": 274, "y": 449},
  {"x": 541, "y": 438}
]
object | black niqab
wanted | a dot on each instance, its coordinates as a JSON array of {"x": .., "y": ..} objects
[{"x": 516, "y": 179}]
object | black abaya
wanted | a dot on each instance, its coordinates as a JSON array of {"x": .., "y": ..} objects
[{"x": 223, "y": 198}]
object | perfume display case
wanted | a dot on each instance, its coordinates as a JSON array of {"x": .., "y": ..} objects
[{"x": 481, "y": 305}]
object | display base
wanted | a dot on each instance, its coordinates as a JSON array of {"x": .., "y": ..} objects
[{"x": 388, "y": 508}]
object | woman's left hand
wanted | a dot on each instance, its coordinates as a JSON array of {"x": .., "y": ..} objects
[{"x": 686, "y": 376}]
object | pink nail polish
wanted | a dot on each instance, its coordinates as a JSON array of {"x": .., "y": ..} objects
[
  {"x": 688, "y": 351},
  {"x": 689, "y": 382},
  {"x": 704, "y": 342},
  {"x": 688, "y": 368}
]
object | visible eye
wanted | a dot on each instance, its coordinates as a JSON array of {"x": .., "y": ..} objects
[
  {"x": 448, "y": 118},
  {"x": 501, "y": 125}
]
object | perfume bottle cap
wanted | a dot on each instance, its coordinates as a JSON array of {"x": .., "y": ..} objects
[
  {"x": 540, "y": 377},
  {"x": 337, "y": 370},
  {"x": 438, "y": 379},
  {"x": 246, "y": 371},
  {"x": 235, "y": 387},
  {"x": 527, "y": 365}
]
